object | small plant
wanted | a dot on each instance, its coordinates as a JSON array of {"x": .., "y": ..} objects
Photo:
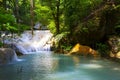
[
  {"x": 59, "y": 37},
  {"x": 1, "y": 44},
  {"x": 103, "y": 49},
  {"x": 65, "y": 47}
]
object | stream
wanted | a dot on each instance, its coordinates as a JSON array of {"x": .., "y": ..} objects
[
  {"x": 39, "y": 63},
  {"x": 46, "y": 65}
]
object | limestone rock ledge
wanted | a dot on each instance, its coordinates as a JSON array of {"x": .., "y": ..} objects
[{"x": 7, "y": 55}]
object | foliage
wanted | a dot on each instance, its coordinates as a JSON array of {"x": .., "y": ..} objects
[
  {"x": 54, "y": 14},
  {"x": 103, "y": 49},
  {"x": 65, "y": 18},
  {"x": 59, "y": 37},
  {"x": 20, "y": 28},
  {"x": 21, "y": 10},
  {"x": 117, "y": 29},
  {"x": 51, "y": 26},
  {"x": 1, "y": 44},
  {"x": 11, "y": 28},
  {"x": 66, "y": 47},
  {"x": 7, "y": 20},
  {"x": 76, "y": 11},
  {"x": 42, "y": 14}
]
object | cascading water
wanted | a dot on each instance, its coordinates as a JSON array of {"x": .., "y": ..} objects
[{"x": 39, "y": 41}]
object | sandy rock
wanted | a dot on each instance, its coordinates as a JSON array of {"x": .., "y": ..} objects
[{"x": 84, "y": 50}]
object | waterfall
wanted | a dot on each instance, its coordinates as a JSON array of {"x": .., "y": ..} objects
[{"x": 39, "y": 41}]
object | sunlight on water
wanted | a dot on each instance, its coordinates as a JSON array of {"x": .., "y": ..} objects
[
  {"x": 49, "y": 66},
  {"x": 117, "y": 69},
  {"x": 76, "y": 75},
  {"x": 94, "y": 66},
  {"x": 44, "y": 60}
]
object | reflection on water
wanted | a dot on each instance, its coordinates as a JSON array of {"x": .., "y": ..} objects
[{"x": 49, "y": 66}]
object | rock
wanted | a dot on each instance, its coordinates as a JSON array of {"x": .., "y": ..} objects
[
  {"x": 113, "y": 42},
  {"x": 83, "y": 50},
  {"x": 7, "y": 55},
  {"x": 114, "y": 45},
  {"x": 118, "y": 54},
  {"x": 111, "y": 54},
  {"x": 14, "y": 46},
  {"x": 19, "y": 53}
]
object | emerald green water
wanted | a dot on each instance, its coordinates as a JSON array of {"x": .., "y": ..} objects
[{"x": 50, "y": 66}]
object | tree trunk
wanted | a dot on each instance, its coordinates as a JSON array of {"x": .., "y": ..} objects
[
  {"x": 56, "y": 14},
  {"x": 57, "y": 18},
  {"x": 32, "y": 14},
  {"x": 16, "y": 12}
]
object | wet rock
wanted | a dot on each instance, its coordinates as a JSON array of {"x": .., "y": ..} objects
[
  {"x": 14, "y": 47},
  {"x": 7, "y": 55}
]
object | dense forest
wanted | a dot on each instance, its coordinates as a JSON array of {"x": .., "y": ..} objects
[{"x": 88, "y": 22}]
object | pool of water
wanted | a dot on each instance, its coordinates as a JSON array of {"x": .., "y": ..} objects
[{"x": 50, "y": 66}]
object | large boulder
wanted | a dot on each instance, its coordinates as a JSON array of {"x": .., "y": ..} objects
[
  {"x": 7, "y": 55},
  {"x": 114, "y": 45},
  {"x": 14, "y": 46},
  {"x": 83, "y": 50}
]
